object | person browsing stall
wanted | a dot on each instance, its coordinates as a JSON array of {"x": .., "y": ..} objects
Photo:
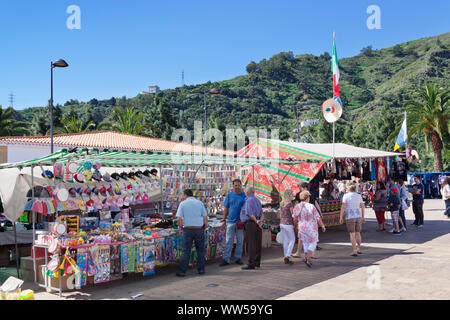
[
  {"x": 417, "y": 191},
  {"x": 235, "y": 228},
  {"x": 251, "y": 214},
  {"x": 353, "y": 210},
  {"x": 193, "y": 220}
]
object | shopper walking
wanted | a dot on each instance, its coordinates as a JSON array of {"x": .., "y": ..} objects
[
  {"x": 403, "y": 202},
  {"x": 192, "y": 218},
  {"x": 353, "y": 210},
  {"x": 235, "y": 228},
  {"x": 342, "y": 189},
  {"x": 251, "y": 214},
  {"x": 379, "y": 203},
  {"x": 417, "y": 191},
  {"x": 287, "y": 225},
  {"x": 445, "y": 192},
  {"x": 394, "y": 206},
  {"x": 306, "y": 217}
]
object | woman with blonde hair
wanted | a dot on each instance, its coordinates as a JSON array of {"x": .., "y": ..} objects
[
  {"x": 307, "y": 217},
  {"x": 287, "y": 225}
]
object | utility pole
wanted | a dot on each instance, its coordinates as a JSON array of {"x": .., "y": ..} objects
[{"x": 11, "y": 100}]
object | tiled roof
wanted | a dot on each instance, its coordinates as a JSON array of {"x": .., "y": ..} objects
[{"x": 112, "y": 140}]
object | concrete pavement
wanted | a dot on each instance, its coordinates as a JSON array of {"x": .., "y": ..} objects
[{"x": 414, "y": 265}]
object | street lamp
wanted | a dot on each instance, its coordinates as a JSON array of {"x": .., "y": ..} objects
[
  {"x": 212, "y": 91},
  {"x": 60, "y": 63}
]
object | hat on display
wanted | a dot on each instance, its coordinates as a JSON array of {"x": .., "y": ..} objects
[
  {"x": 145, "y": 198},
  {"x": 154, "y": 172},
  {"x": 87, "y": 165},
  {"x": 107, "y": 177},
  {"x": 45, "y": 208},
  {"x": 97, "y": 176},
  {"x": 146, "y": 173},
  {"x": 79, "y": 177},
  {"x": 87, "y": 191},
  {"x": 72, "y": 167},
  {"x": 88, "y": 175},
  {"x": 115, "y": 176},
  {"x": 139, "y": 174},
  {"x": 60, "y": 206},
  {"x": 132, "y": 176},
  {"x": 29, "y": 205},
  {"x": 72, "y": 205},
  {"x": 95, "y": 190},
  {"x": 102, "y": 191},
  {"x": 110, "y": 190},
  {"x": 48, "y": 174},
  {"x": 39, "y": 192},
  {"x": 37, "y": 207},
  {"x": 117, "y": 190},
  {"x": 73, "y": 192},
  {"x": 124, "y": 175},
  {"x": 96, "y": 166}
]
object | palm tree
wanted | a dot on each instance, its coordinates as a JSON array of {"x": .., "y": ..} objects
[
  {"x": 127, "y": 120},
  {"x": 429, "y": 115},
  {"x": 9, "y": 126},
  {"x": 73, "y": 125}
]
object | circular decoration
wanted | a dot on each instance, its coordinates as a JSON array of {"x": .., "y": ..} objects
[
  {"x": 60, "y": 229},
  {"x": 53, "y": 265},
  {"x": 331, "y": 110},
  {"x": 53, "y": 246},
  {"x": 62, "y": 194},
  {"x": 72, "y": 167},
  {"x": 79, "y": 178}
]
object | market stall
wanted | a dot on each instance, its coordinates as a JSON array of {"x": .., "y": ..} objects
[
  {"x": 98, "y": 225},
  {"x": 349, "y": 163}
]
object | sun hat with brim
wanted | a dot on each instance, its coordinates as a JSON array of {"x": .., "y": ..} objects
[
  {"x": 107, "y": 177},
  {"x": 39, "y": 192},
  {"x": 62, "y": 194},
  {"x": 47, "y": 174},
  {"x": 79, "y": 178},
  {"x": 115, "y": 176},
  {"x": 97, "y": 176}
]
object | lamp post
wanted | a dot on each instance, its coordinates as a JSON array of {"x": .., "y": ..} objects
[
  {"x": 60, "y": 63},
  {"x": 212, "y": 91}
]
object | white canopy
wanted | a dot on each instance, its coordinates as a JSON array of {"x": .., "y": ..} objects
[{"x": 342, "y": 150}]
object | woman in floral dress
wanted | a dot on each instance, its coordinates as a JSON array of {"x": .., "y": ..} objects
[{"x": 306, "y": 217}]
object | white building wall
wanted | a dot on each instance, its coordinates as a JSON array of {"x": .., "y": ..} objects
[{"x": 21, "y": 152}]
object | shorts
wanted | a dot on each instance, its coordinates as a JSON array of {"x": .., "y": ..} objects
[
  {"x": 354, "y": 225},
  {"x": 395, "y": 215}
]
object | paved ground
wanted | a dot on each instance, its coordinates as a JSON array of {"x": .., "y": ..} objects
[{"x": 414, "y": 265}]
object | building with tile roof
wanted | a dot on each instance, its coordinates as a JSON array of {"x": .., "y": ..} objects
[{"x": 22, "y": 148}]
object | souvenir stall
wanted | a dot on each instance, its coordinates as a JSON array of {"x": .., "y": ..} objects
[
  {"x": 432, "y": 182},
  {"x": 105, "y": 215},
  {"x": 317, "y": 166}
]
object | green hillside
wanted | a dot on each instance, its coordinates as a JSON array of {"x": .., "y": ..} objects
[{"x": 374, "y": 86}]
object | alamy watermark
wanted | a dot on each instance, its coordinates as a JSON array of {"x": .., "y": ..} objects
[
  {"x": 74, "y": 20},
  {"x": 374, "y": 279},
  {"x": 374, "y": 20}
]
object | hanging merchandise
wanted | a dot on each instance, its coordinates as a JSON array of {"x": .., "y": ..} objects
[
  {"x": 131, "y": 257},
  {"x": 149, "y": 257},
  {"x": 82, "y": 256},
  {"x": 115, "y": 257},
  {"x": 124, "y": 258},
  {"x": 102, "y": 263}
]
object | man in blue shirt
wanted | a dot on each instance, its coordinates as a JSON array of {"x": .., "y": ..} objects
[
  {"x": 417, "y": 191},
  {"x": 251, "y": 214},
  {"x": 235, "y": 228},
  {"x": 192, "y": 219}
]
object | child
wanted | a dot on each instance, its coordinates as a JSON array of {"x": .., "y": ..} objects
[{"x": 394, "y": 206}]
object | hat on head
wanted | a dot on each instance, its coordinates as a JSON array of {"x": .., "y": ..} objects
[{"x": 394, "y": 190}]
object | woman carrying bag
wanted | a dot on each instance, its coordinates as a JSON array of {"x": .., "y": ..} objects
[{"x": 379, "y": 205}]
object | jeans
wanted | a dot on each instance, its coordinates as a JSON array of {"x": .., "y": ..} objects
[
  {"x": 402, "y": 216},
  {"x": 418, "y": 212},
  {"x": 288, "y": 239},
  {"x": 198, "y": 237},
  {"x": 232, "y": 232},
  {"x": 447, "y": 207}
]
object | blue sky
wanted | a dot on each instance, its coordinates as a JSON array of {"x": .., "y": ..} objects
[{"x": 124, "y": 46}]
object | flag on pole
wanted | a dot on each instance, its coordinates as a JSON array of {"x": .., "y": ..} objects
[
  {"x": 335, "y": 69},
  {"x": 402, "y": 136}
]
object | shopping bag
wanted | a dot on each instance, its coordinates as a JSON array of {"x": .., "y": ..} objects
[{"x": 279, "y": 237}]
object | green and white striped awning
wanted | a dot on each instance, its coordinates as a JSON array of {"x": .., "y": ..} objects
[{"x": 127, "y": 159}]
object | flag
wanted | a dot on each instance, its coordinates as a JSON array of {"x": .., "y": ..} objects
[
  {"x": 402, "y": 136},
  {"x": 335, "y": 69}
]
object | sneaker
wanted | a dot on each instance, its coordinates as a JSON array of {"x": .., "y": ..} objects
[
  {"x": 391, "y": 231},
  {"x": 420, "y": 226},
  {"x": 397, "y": 233},
  {"x": 178, "y": 274},
  {"x": 201, "y": 272},
  {"x": 404, "y": 229},
  {"x": 239, "y": 262},
  {"x": 224, "y": 263},
  {"x": 414, "y": 224}
]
